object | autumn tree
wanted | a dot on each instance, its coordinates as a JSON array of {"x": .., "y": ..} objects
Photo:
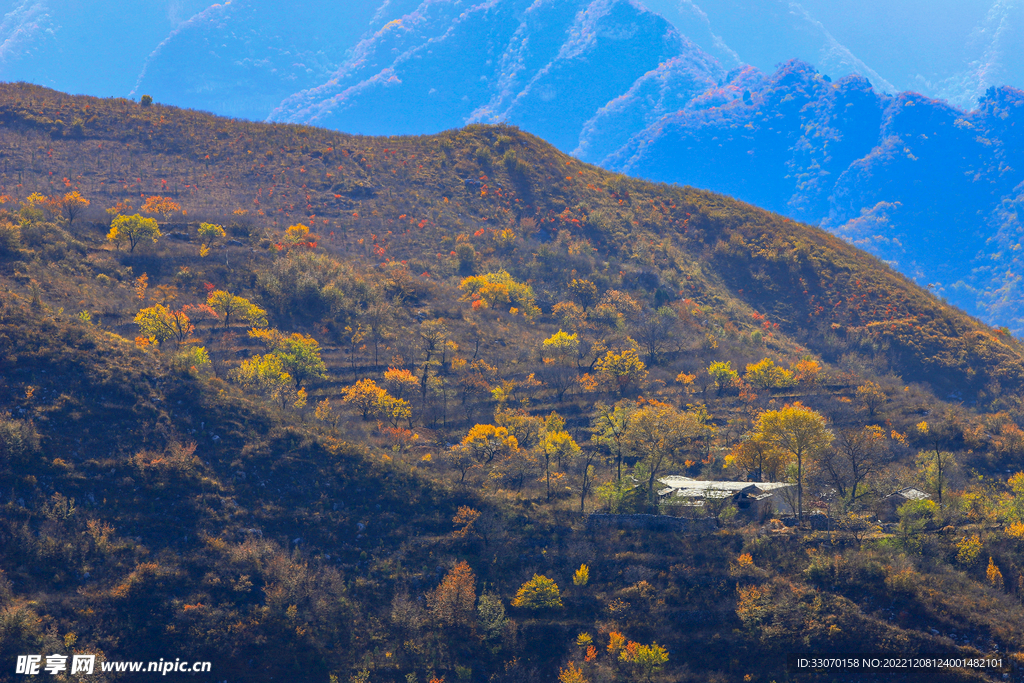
[
  {"x": 527, "y": 429},
  {"x": 452, "y": 602},
  {"x": 556, "y": 443},
  {"x": 658, "y": 434},
  {"x": 560, "y": 353},
  {"x": 872, "y": 396},
  {"x": 571, "y": 674},
  {"x": 799, "y": 431},
  {"x": 208, "y": 232},
  {"x": 133, "y": 229},
  {"x": 583, "y": 292},
  {"x": 229, "y": 305},
  {"x": 621, "y": 372},
  {"x": 762, "y": 460},
  {"x": 486, "y": 443},
  {"x": 765, "y": 374},
  {"x": 72, "y": 205},
  {"x": 161, "y": 323},
  {"x": 500, "y": 291},
  {"x": 540, "y": 592},
  {"x": 165, "y": 206},
  {"x": 400, "y": 382},
  {"x": 362, "y": 396}
]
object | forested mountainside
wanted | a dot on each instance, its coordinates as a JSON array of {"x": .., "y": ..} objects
[{"x": 313, "y": 405}]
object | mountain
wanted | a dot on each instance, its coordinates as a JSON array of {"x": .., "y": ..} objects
[
  {"x": 953, "y": 55},
  {"x": 510, "y": 61},
  {"x": 183, "y": 480},
  {"x": 927, "y": 187}
]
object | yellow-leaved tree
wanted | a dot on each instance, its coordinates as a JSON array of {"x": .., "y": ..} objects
[
  {"x": 797, "y": 430},
  {"x": 540, "y": 592},
  {"x": 133, "y": 229},
  {"x": 231, "y": 306},
  {"x": 500, "y": 290}
]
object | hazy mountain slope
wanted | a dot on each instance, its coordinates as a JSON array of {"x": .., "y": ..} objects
[
  {"x": 955, "y": 54},
  {"x": 244, "y": 58},
  {"x": 921, "y": 184},
  {"x": 548, "y": 66},
  {"x": 94, "y": 47}
]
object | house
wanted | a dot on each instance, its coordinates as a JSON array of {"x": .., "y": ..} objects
[
  {"x": 888, "y": 507},
  {"x": 760, "y": 499}
]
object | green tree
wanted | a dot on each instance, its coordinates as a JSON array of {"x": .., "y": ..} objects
[
  {"x": 608, "y": 427},
  {"x": 491, "y": 615},
  {"x": 723, "y": 374},
  {"x": 208, "y": 232},
  {"x": 229, "y": 305},
  {"x": 647, "y": 659},
  {"x": 540, "y": 592},
  {"x": 915, "y": 516},
  {"x": 264, "y": 375},
  {"x": 799, "y": 431},
  {"x": 133, "y": 229},
  {"x": 300, "y": 353}
]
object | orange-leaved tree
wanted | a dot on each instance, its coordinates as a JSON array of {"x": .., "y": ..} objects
[
  {"x": 452, "y": 602},
  {"x": 72, "y": 205},
  {"x": 165, "y": 206}
]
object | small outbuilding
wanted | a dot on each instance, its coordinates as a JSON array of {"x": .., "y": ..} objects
[{"x": 888, "y": 507}]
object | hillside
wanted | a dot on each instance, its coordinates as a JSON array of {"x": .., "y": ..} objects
[
  {"x": 405, "y": 194},
  {"x": 511, "y": 340},
  {"x": 672, "y": 87}
]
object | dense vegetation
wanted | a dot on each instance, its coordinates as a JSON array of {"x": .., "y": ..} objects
[{"x": 311, "y": 405}]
